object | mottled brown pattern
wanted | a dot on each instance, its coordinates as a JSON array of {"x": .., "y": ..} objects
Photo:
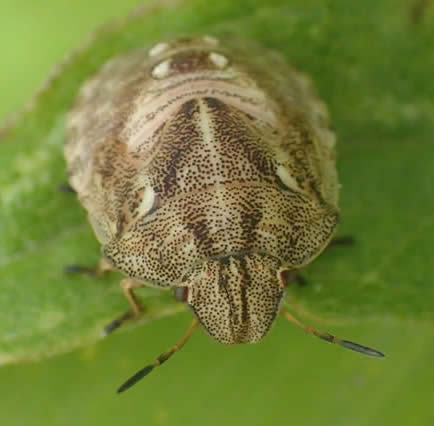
[
  {"x": 242, "y": 307},
  {"x": 215, "y": 176}
]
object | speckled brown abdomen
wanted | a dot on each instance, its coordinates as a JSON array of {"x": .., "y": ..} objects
[{"x": 207, "y": 166}]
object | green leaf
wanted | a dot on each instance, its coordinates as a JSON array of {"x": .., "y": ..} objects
[{"x": 373, "y": 67}]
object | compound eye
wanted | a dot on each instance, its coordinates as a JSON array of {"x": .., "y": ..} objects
[
  {"x": 181, "y": 293},
  {"x": 287, "y": 276}
]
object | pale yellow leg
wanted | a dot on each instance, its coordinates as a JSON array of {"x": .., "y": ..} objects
[
  {"x": 128, "y": 285},
  {"x": 103, "y": 268}
]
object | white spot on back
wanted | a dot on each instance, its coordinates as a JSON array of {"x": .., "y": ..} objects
[
  {"x": 219, "y": 60},
  {"x": 287, "y": 179},
  {"x": 161, "y": 70},
  {"x": 158, "y": 48},
  {"x": 147, "y": 202}
]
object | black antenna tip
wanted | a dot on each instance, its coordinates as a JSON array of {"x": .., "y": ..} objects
[
  {"x": 362, "y": 349},
  {"x": 108, "y": 329},
  {"x": 134, "y": 379},
  {"x": 115, "y": 324}
]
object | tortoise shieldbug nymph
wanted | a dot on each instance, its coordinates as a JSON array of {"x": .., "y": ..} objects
[{"x": 207, "y": 167}]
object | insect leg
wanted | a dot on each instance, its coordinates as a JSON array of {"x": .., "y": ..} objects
[
  {"x": 102, "y": 269},
  {"x": 127, "y": 285},
  {"x": 300, "y": 280},
  {"x": 66, "y": 188},
  {"x": 344, "y": 241}
]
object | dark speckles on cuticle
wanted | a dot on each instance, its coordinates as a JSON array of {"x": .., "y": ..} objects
[{"x": 175, "y": 152}]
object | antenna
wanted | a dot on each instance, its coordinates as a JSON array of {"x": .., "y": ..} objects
[
  {"x": 332, "y": 339},
  {"x": 160, "y": 360}
]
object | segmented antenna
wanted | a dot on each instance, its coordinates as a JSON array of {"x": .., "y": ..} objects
[
  {"x": 160, "y": 360},
  {"x": 332, "y": 339}
]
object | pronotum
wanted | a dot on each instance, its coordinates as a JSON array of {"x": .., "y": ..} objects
[{"x": 207, "y": 167}]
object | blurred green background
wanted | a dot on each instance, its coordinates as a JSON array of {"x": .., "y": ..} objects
[{"x": 289, "y": 379}]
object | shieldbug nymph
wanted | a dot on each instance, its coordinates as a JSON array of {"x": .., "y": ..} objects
[{"x": 207, "y": 167}]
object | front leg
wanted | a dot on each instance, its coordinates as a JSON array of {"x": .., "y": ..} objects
[
  {"x": 127, "y": 284},
  {"x": 102, "y": 269},
  {"x": 343, "y": 241}
]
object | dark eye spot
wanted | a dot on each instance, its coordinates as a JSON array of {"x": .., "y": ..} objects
[{"x": 181, "y": 293}]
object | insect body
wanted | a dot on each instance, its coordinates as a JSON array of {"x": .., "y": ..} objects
[{"x": 207, "y": 167}]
